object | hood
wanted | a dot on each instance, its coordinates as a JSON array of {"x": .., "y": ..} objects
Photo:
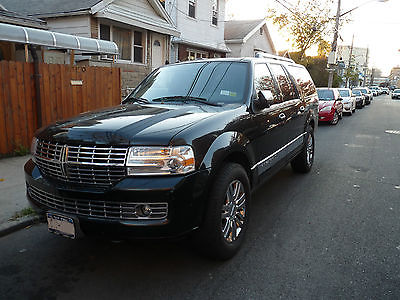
[
  {"x": 127, "y": 124},
  {"x": 322, "y": 104}
]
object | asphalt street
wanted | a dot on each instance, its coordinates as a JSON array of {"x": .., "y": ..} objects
[{"x": 332, "y": 233}]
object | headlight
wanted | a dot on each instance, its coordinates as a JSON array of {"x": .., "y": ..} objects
[
  {"x": 326, "y": 108},
  {"x": 160, "y": 160},
  {"x": 33, "y": 146}
]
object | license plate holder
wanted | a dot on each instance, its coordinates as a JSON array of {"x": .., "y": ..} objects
[{"x": 61, "y": 225}]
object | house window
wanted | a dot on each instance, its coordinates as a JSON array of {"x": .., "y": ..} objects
[
  {"x": 214, "y": 19},
  {"x": 123, "y": 38},
  {"x": 192, "y": 8},
  {"x": 105, "y": 32},
  {"x": 261, "y": 31},
  {"x": 130, "y": 42},
  {"x": 196, "y": 54},
  {"x": 138, "y": 47}
]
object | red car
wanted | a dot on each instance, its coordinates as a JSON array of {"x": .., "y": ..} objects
[{"x": 330, "y": 108}]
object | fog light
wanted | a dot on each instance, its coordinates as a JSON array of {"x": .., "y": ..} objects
[{"x": 143, "y": 210}]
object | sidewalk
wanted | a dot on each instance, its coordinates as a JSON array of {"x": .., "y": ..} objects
[{"x": 12, "y": 194}]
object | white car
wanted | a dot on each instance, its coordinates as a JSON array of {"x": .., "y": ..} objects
[{"x": 349, "y": 100}]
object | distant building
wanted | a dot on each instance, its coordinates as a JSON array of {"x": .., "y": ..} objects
[
  {"x": 359, "y": 60},
  {"x": 246, "y": 37},
  {"x": 394, "y": 77},
  {"x": 201, "y": 26}
]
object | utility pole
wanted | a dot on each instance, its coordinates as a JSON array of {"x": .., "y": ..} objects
[
  {"x": 366, "y": 67},
  {"x": 349, "y": 65},
  {"x": 334, "y": 45}
]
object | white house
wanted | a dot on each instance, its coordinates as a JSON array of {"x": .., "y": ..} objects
[
  {"x": 201, "y": 26},
  {"x": 141, "y": 28},
  {"x": 246, "y": 37}
]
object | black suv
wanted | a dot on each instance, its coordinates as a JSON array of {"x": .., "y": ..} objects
[{"x": 179, "y": 156}]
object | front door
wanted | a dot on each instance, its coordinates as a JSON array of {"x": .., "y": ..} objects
[{"x": 158, "y": 50}]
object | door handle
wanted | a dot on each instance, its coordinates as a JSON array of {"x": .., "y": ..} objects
[
  {"x": 301, "y": 108},
  {"x": 282, "y": 116}
]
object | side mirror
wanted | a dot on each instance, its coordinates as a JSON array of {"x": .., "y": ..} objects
[{"x": 265, "y": 99}]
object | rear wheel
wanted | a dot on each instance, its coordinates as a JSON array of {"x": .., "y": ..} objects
[
  {"x": 303, "y": 162},
  {"x": 227, "y": 215}
]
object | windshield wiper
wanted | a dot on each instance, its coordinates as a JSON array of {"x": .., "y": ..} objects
[
  {"x": 139, "y": 100},
  {"x": 200, "y": 100},
  {"x": 185, "y": 99}
]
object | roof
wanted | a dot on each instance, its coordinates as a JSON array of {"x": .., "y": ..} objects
[
  {"x": 238, "y": 30},
  {"x": 26, "y": 35},
  {"x": 11, "y": 17},
  {"x": 44, "y": 7}
]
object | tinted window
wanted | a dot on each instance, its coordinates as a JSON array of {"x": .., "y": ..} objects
[
  {"x": 285, "y": 85},
  {"x": 303, "y": 80},
  {"x": 263, "y": 80},
  {"x": 325, "y": 95},
  {"x": 217, "y": 82},
  {"x": 344, "y": 93}
]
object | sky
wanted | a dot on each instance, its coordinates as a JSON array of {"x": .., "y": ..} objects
[{"x": 375, "y": 25}]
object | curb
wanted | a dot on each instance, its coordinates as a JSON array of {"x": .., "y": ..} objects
[{"x": 12, "y": 226}]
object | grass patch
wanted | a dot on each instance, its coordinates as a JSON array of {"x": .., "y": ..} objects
[{"x": 28, "y": 211}]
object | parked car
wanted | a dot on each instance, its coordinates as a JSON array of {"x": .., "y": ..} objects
[
  {"x": 385, "y": 90},
  {"x": 367, "y": 94},
  {"x": 330, "y": 105},
  {"x": 360, "y": 98},
  {"x": 348, "y": 100},
  {"x": 374, "y": 90},
  {"x": 179, "y": 156},
  {"x": 396, "y": 94}
]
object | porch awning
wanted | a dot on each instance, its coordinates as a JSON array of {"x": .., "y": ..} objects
[{"x": 26, "y": 35}]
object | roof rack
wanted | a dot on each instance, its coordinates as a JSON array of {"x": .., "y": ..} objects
[{"x": 267, "y": 55}]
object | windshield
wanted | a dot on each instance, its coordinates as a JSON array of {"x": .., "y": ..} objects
[
  {"x": 325, "y": 95},
  {"x": 344, "y": 93},
  {"x": 212, "y": 82},
  {"x": 396, "y": 91},
  {"x": 357, "y": 92}
]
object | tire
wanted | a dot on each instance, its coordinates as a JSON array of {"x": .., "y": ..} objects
[
  {"x": 303, "y": 162},
  {"x": 335, "y": 118},
  {"x": 216, "y": 238}
]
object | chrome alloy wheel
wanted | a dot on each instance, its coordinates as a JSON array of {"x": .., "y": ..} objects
[
  {"x": 233, "y": 211},
  {"x": 310, "y": 150}
]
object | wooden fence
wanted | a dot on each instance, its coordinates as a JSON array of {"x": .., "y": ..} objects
[{"x": 65, "y": 91}]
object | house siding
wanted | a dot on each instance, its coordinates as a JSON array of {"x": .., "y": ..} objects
[
  {"x": 76, "y": 25},
  {"x": 256, "y": 41},
  {"x": 198, "y": 30}
]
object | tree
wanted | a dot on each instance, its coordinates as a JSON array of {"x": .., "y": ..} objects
[{"x": 308, "y": 22}]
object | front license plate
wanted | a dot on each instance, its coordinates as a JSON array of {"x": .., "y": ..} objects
[{"x": 61, "y": 225}]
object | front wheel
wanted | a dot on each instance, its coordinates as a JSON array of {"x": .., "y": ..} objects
[
  {"x": 335, "y": 119},
  {"x": 227, "y": 215},
  {"x": 303, "y": 162}
]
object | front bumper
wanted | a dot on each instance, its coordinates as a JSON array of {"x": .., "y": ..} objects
[
  {"x": 326, "y": 116},
  {"x": 185, "y": 197}
]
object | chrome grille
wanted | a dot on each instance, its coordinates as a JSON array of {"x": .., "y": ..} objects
[
  {"x": 100, "y": 166},
  {"x": 97, "y": 208}
]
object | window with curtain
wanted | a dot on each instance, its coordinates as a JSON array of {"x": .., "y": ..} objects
[{"x": 123, "y": 38}]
